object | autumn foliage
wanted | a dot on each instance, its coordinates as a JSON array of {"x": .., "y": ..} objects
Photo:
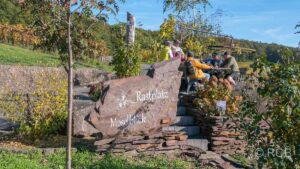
[
  {"x": 18, "y": 35},
  {"x": 41, "y": 110},
  {"x": 217, "y": 90}
]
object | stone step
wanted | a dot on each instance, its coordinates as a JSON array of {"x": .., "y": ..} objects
[
  {"x": 181, "y": 111},
  {"x": 81, "y": 104},
  {"x": 5, "y": 125},
  {"x": 190, "y": 130},
  {"x": 81, "y": 93},
  {"x": 5, "y": 132},
  {"x": 198, "y": 142},
  {"x": 184, "y": 121}
]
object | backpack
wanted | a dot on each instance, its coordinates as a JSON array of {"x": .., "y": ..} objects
[{"x": 189, "y": 68}]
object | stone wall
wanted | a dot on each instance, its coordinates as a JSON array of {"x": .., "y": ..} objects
[
  {"x": 222, "y": 132},
  {"x": 22, "y": 77},
  {"x": 160, "y": 143}
]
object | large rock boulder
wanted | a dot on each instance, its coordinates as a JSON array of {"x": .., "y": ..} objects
[{"x": 133, "y": 106}]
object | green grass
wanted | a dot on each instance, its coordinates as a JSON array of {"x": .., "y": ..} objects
[
  {"x": 12, "y": 55},
  {"x": 242, "y": 159},
  {"x": 88, "y": 160},
  {"x": 244, "y": 64}
]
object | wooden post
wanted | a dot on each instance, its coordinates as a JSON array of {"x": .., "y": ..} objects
[
  {"x": 70, "y": 91},
  {"x": 130, "y": 28}
]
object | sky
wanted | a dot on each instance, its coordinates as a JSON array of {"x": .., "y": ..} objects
[{"x": 271, "y": 21}]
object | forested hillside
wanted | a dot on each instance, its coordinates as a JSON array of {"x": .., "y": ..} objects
[
  {"x": 263, "y": 49},
  {"x": 105, "y": 37}
]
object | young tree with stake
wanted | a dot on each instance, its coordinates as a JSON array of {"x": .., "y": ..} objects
[{"x": 53, "y": 22}]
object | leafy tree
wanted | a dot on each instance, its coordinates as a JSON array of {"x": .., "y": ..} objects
[
  {"x": 272, "y": 54},
  {"x": 187, "y": 11},
  {"x": 183, "y": 5},
  {"x": 50, "y": 24},
  {"x": 11, "y": 13},
  {"x": 53, "y": 19},
  {"x": 297, "y": 27},
  {"x": 167, "y": 28},
  {"x": 192, "y": 27}
]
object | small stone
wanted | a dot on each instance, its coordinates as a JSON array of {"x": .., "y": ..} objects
[
  {"x": 167, "y": 120},
  {"x": 182, "y": 138},
  {"x": 169, "y": 143},
  {"x": 104, "y": 141},
  {"x": 151, "y": 141}
]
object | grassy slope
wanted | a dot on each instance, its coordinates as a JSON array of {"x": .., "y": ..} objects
[{"x": 12, "y": 55}]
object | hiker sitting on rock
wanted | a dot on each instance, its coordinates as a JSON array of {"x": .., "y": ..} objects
[{"x": 194, "y": 68}]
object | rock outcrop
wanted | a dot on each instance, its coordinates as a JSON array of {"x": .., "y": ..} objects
[{"x": 133, "y": 106}]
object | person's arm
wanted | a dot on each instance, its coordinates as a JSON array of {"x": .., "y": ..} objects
[
  {"x": 181, "y": 51},
  {"x": 234, "y": 65},
  {"x": 200, "y": 65},
  {"x": 224, "y": 64},
  {"x": 170, "y": 53}
]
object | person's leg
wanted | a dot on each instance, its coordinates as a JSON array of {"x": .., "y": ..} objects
[
  {"x": 235, "y": 75},
  {"x": 230, "y": 79},
  {"x": 192, "y": 85},
  {"x": 207, "y": 76}
]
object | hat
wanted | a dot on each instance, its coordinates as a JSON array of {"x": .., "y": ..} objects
[
  {"x": 226, "y": 53},
  {"x": 190, "y": 54},
  {"x": 176, "y": 41},
  {"x": 215, "y": 54},
  {"x": 168, "y": 43}
]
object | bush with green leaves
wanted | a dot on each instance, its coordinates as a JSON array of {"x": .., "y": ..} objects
[
  {"x": 275, "y": 102},
  {"x": 127, "y": 60}
]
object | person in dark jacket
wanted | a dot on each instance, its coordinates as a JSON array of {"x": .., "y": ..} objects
[{"x": 215, "y": 61}]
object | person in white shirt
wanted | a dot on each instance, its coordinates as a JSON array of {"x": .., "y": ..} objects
[{"x": 176, "y": 49}]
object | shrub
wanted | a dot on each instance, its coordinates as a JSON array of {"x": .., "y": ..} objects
[
  {"x": 277, "y": 145},
  {"x": 217, "y": 90},
  {"x": 126, "y": 60},
  {"x": 95, "y": 92},
  {"x": 40, "y": 111}
]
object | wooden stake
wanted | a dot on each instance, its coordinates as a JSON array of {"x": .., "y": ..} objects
[
  {"x": 70, "y": 92},
  {"x": 130, "y": 29}
]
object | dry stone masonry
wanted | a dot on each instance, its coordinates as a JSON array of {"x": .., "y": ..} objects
[
  {"x": 160, "y": 143},
  {"x": 223, "y": 132},
  {"x": 21, "y": 78}
]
